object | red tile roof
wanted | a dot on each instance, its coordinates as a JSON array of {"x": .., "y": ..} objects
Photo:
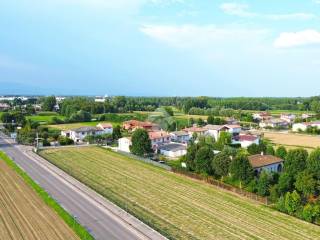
[{"x": 258, "y": 160}]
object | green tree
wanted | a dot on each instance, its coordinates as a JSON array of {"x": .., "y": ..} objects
[
  {"x": 308, "y": 213},
  {"x": 292, "y": 202},
  {"x": 116, "y": 133},
  {"x": 141, "y": 143},
  {"x": 49, "y": 103},
  {"x": 281, "y": 152},
  {"x": 285, "y": 183},
  {"x": 270, "y": 150},
  {"x": 210, "y": 119},
  {"x": 241, "y": 169},
  {"x": 313, "y": 163},
  {"x": 253, "y": 149},
  {"x": 295, "y": 161},
  {"x": 190, "y": 156},
  {"x": 305, "y": 183},
  {"x": 221, "y": 163},
  {"x": 263, "y": 185},
  {"x": 203, "y": 160},
  {"x": 169, "y": 110}
]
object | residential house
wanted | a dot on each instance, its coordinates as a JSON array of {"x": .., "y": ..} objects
[
  {"x": 267, "y": 163},
  {"x": 192, "y": 130},
  {"x": 233, "y": 129},
  {"x": 297, "y": 127},
  {"x": 124, "y": 144},
  {"x": 262, "y": 116},
  {"x": 106, "y": 127},
  {"x": 246, "y": 140},
  {"x": 159, "y": 137},
  {"x": 134, "y": 124},
  {"x": 180, "y": 137},
  {"x": 288, "y": 117},
  {"x": 173, "y": 150},
  {"x": 214, "y": 130},
  {"x": 274, "y": 123},
  {"x": 78, "y": 134}
]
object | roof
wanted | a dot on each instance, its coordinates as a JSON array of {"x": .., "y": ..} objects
[
  {"x": 249, "y": 138},
  {"x": 213, "y": 127},
  {"x": 158, "y": 134},
  {"x": 173, "y": 147},
  {"x": 136, "y": 123},
  {"x": 179, "y": 133},
  {"x": 86, "y": 129},
  {"x": 194, "y": 129},
  {"x": 258, "y": 160},
  {"x": 232, "y": 126},
  {"x": 105, "y": 125}
]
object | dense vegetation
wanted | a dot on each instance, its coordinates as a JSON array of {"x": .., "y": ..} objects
[{"x": 295, "y": 191}]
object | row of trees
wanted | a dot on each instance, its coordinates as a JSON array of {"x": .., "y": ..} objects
[{"x": 295, "y": 191}]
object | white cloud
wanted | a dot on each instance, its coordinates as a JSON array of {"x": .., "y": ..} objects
[
  {"x": 297, "y": 39},
  {"x": 198, "y": 36},
  {"x": 242, "y": 10}
]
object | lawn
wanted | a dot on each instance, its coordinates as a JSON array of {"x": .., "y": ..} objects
[
  {"x": 293, "y": 140},
  {"x": 24, "y": 215},
  {"x": 44, "y": 119},
  {"x": 177, "y": 206}
]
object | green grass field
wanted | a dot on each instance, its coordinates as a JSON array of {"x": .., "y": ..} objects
[
  {"x": 44, "y": 119},
  {"x": 177, "y": 206}
]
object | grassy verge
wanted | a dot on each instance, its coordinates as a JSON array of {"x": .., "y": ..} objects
[{"x": 81, "y": 232}]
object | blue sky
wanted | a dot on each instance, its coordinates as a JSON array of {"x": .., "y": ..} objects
[{"x": 160, "y": 47}]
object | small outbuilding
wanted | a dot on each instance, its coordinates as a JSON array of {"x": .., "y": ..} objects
[
  {"x": 173, "y": 150},
  {"x": 269, "y": 163}
]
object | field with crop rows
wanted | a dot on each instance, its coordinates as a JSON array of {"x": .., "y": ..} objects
[
  {"x": 177, "y": 206},
  {"x": 23, "y": 215},
  {"x": 293, "y": 140}
]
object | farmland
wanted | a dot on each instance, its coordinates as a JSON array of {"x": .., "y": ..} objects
[
  {"x": 44, "y": 119},
  {"x": 179, "y": 207},
  {"x": 23, "y": 214},
  {"x": 293, "y": 140}
]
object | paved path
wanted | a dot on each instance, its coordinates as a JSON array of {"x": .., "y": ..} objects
[{"x": 102, "y": 218}]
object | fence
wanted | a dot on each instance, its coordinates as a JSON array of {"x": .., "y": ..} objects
[{"x": 225, "y": 186}]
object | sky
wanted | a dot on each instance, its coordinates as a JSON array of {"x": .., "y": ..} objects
[{"x": 160, "y": 47}]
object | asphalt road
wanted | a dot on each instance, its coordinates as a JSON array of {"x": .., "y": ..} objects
[{"x": 98, "y": 219}]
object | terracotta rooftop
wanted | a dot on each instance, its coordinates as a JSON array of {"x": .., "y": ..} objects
[
  {"x": 194, "y": 129},
  {"x": 258, "y": 160},
  {"x": 158, "y": 134}
]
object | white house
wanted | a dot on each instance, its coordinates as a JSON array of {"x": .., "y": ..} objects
[
  {"x": 78, "y": 134},
  {"x": 274, "y": 123},
  {"x": 267, "y": 163},
  {"x": 233, "y": 129},
  {"x": 246, "y": 140},
  {"x": 288, "y": 117},
  {"x": 303, "y": 126},
  {"x": 106, "y": 127},
  {"x": 173, "y": 150},
  {"x": 297, "y": 127},
  {"x": 180, "y": 136},
  {"x": 262, "y": 116},
  {"x": 198, "y": 130},
  {"x": 124, "y": 144},
  {"x": 214, "y": 130}
]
